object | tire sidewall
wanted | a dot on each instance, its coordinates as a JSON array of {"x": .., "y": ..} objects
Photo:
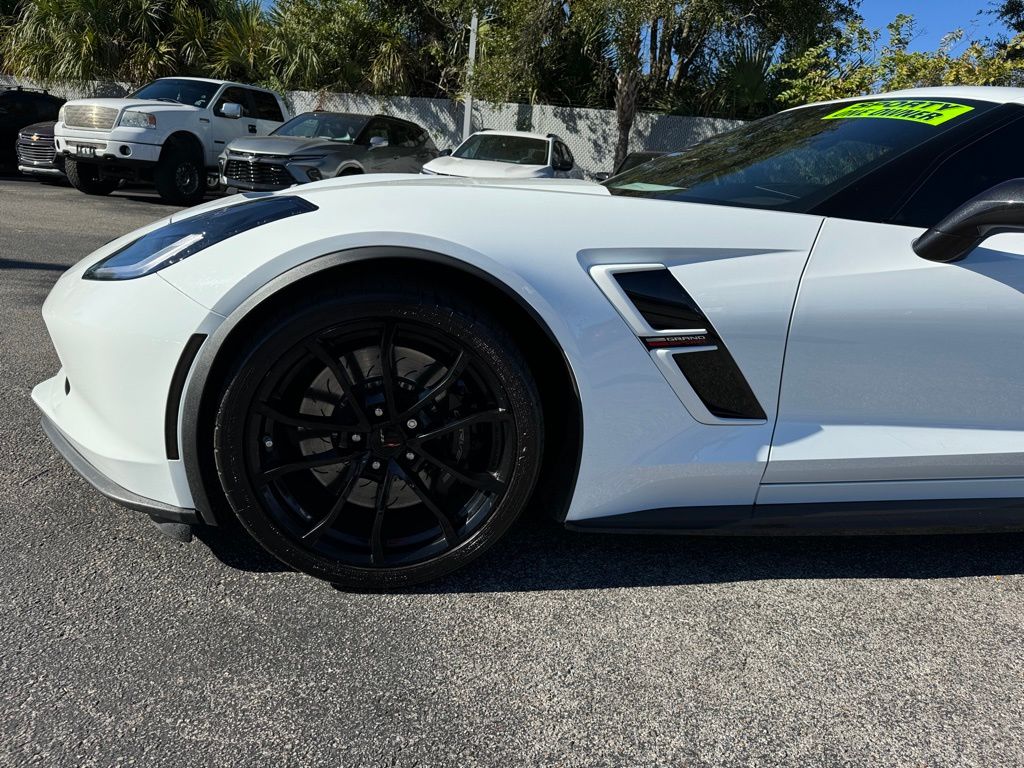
[
  {"x": 238, "y": 395},
  {"x": 165, "y": 176}
]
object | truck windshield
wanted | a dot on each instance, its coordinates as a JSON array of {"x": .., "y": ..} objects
[
  {"x": 793, "y": 160},
  {"x": 332, "y": 126},
  {"x": 195, "y": 93}
]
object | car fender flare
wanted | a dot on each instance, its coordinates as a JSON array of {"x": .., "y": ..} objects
[
  {"x": 208, "y": 354},
  {"x": 349, "y": 165}
]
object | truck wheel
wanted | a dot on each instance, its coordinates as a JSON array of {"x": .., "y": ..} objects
[
  {"x": 85, "y": 177},
  {"x": 180, "y": 176}
]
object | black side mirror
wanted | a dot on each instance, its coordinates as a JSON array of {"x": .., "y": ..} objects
[
  {"x": 996, "y": 210},
  {"x": 602, "y": 176},
  {"x": 444, "y": 153}
]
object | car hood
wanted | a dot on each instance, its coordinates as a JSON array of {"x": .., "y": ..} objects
[
  {"x": 287, "y": 145},
  {"x": 483, "y": 169},
  {"x": 44, "y": 129},
  {"x": 148, "y": 104}
]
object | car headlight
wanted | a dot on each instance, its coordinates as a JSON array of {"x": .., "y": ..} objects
[
  {"x": 305, "y": 158},
  {"x": 134, "y": 118},
  {"x": 60, "y": 114},
  {"x": 181, "y": 239}
]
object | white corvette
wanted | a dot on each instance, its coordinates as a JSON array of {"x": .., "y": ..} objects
[{"x": 813, "y": 322}]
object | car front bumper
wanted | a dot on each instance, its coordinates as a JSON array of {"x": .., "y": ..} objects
[{"x": 106, "y": 409}]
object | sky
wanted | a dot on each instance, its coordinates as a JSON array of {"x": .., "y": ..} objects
[{"x": 934, "y": 18}]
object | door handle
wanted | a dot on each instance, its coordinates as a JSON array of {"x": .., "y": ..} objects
[{"x": 252, "y": 129}]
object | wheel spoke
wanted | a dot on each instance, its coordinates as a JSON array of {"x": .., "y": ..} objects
[
  {"x": 355, "y": 472},
  {"x": 482, "y": 480},
  {"x": 310, "y": 422},
  {"x": 387, "y": 367},
  {"x": 314, "y": 460},
  {"x": 442, "y": 386},
  {"x": 381, "y": 506},
  {"x": 447, "y": 525},
  {"x": 324, "y": 356},
  {"x": 485, "y": 417}
]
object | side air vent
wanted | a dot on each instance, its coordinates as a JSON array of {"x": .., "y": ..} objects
[
  {"x": 717, "y": 380},
  {"x": 661, "y": 299},
  {"x": 709, "y": 369}
]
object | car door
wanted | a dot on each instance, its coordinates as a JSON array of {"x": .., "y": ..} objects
[
  {"x": 266, "y": 110},
  {"x": 904, "y": 378},
  {"x": 225, "y": 129},
  {"x": 381, "y": 159}
]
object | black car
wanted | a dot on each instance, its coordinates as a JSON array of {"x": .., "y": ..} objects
[
  {"x": 321, "y": 145},
  {"x": 21, "y": 107},
  {"x": 37, "y": 154}
]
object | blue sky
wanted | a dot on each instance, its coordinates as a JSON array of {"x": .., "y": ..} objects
[{"x": 934, "y": 17}]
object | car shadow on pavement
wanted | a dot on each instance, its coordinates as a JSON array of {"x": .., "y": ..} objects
[
  {"x": 545, "y": 556},
  {"x": 540, "y": 555}
]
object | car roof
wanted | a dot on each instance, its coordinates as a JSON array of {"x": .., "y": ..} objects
[
  {"x": 990, "y": 93},
  {"x": 527, "y": 134},
  {"x": 359, "y": 114},
  {"x": 217, "y": 82}
]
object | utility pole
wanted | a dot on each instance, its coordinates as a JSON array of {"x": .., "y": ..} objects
[{"x": 467, "y": 117}]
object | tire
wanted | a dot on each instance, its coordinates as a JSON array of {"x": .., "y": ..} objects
[
  {"x": 180, "y": 176},
  {"x": 85, "y": 177},
  {"x": 427, "y": 483},
  {"x": 350, "y": 172}
]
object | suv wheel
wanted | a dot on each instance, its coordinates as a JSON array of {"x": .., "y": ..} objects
[
  {"x": 180, "y": 176},
  {"x": 85, "y": 177}
]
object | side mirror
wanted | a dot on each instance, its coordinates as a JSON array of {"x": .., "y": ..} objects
[
  {"x": 378, "y": 142},
  {"x": 231, "y": 110},
  {"x": 996, "y": 210},
  {"x": 562, "y": 166},
  {"x": 445, "y": 152},
  {"x": 602, "y": 176}
]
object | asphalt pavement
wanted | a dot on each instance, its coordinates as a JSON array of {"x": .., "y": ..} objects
[{"x": 120, "y": 647}]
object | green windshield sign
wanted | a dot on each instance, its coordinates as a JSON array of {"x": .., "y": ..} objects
[{"x": 914, "y": 110}]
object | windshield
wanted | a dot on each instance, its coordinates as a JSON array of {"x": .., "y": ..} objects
[
  {"x": 333, "y": 126},
  {"x": 195, "y": 93},
  {"x": 520, "y": 150},
  {"x": 794, "y": 160}
]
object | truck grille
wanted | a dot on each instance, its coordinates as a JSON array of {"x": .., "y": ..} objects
[
  {"x": 38, "y": 152},
  {"x": 271, "y": 174},
  {"x": 89, "y": 116}
]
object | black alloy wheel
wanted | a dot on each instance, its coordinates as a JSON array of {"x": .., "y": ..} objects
[{"x": 379, "y": 443}]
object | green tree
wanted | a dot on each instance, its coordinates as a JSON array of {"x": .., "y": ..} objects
[{"x": 855, "y": 62}]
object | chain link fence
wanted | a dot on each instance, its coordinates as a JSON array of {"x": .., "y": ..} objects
[{"x": 590, "y": 133}]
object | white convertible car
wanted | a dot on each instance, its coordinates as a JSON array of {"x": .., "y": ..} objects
[{"x": 814, "y": 322}]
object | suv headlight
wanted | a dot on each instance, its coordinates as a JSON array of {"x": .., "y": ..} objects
[
  {"x": 133, "y": 118},
  {"x": 181, "y": 239},
  {"x": 60, "y": 114}
]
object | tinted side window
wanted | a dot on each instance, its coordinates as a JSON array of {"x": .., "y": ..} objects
[
  {"x": 990, "y": 160},
  {"x": 565, "y": 154},
  {"x": 404, "y": 135},
  {"x": 235, "y": 95},
  {"x": 375, "y": 128},
  {"x": 266, "y": 106}
]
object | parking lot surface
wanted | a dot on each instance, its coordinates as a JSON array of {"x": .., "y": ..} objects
[{"x": 120, "y": 647}]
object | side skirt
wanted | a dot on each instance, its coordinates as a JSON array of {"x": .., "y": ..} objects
[{"x": 844, "y": 518}]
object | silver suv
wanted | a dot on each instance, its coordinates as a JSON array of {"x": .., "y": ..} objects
[{"x": 321, "y": 145}]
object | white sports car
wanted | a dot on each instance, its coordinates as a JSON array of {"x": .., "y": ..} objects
[{"x": 814, "y": 322}]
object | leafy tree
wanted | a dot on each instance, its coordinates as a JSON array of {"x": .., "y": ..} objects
[{"x": 853, "y": 63}]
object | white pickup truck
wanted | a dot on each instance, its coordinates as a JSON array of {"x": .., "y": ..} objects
[{"x": 169, "y": 132}]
